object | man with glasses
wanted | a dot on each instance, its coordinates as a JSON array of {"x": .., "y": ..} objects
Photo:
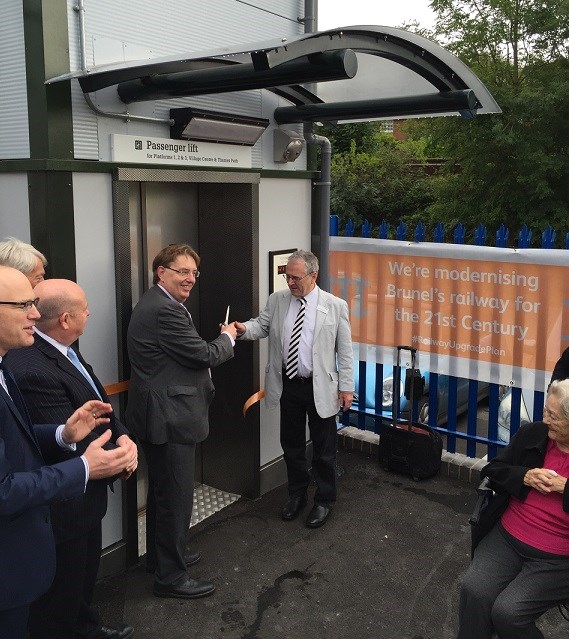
[
  {"x": 55, "y": 380},
  {"x": 169, "y": 395},
  {"x": 310, "y": 372},
  {"x": 27, "y": 484}
]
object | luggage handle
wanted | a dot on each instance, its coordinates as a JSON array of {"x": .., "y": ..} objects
[{"x": 396, "y": 394}]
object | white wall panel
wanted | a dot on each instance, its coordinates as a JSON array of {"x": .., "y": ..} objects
[
  {"x": 14, "y": 134},
  {"x": 94, "y": 246},
  {"x": 284, "y": 223},
  {"x": 14, "y": 206}
]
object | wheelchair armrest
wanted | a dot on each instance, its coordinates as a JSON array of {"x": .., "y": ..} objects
[{"x": 485, "y": 494}]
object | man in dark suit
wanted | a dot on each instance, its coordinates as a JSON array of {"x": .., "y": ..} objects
[
  {"x": 27, "y": 484},
  {"x": 53, "y": 386},
  {"x": 310, "y": 373},
  {"x": 169, "y": 396}
]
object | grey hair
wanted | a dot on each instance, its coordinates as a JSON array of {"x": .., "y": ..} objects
[
  {"x": 51, "y": 308},
  {"x": 560, "y": 389},
  {"x": 19, "y": 255},
  {"x": 309, "y": 259}
]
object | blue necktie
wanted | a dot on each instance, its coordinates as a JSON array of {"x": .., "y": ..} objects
[{"x": 74, "y": 359}]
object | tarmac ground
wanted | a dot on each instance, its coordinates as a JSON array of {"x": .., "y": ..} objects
[{"x": 387, "y": 565}]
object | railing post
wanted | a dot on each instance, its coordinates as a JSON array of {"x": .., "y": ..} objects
[
  {"x": 334, "y": 225},
  {"x": 401, "y": 231}
]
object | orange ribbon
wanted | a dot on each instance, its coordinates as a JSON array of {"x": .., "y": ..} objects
[
  {"x": 115, "y": 389},
  {"x": 256, "y": 397}
]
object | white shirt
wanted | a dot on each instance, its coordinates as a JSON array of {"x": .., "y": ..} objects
[
  {"x": 2, "y": 380},
  {"x": 307, "y": 335}
]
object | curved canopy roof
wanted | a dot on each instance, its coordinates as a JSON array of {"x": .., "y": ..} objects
[{"x": 349, "y": 73}]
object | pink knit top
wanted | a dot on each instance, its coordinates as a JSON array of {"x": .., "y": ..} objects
[{"x": 540, "y": 521}]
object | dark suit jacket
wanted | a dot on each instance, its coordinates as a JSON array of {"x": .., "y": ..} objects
[
  {"x": 53, "y": 389},
  {"x": 170, "y": 386},
  {"x": 27, "y": 486},
  {"x": 561, "y": 370}
]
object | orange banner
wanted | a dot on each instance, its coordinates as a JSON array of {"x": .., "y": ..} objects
[{"x": 466, "y": 302}]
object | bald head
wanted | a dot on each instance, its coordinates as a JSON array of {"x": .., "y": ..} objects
[
  {"x": 64, "y": 310},
  {"x": 17, "y": 322},
  {"x": 10, "y": 278}
]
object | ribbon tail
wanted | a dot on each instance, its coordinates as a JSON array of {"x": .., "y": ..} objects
[{"x": 256, "y": 397}]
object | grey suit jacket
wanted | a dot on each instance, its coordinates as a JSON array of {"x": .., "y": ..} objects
[
  {"x": 170, "y": 386},
  {"x": 332, "y": 353}
]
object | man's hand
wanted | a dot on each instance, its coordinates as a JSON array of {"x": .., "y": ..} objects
[
  {"x": 107, "y": 463},
  {"x": 124, "y": 441},
  {"x": 240, "y": 328},
  {"x": 230, "y": 329},
  {"x": 84, "y": 419},
  {"x": 346, "y": 400}
]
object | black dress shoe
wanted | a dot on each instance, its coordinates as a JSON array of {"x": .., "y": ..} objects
[
  {"x": 318, "y": 515},
  {"x": 189, "y": 589},
  {"x": 190, "y": 558},
  {"x": 291, "y": 510},
  {"x": 106, "y": 632}
]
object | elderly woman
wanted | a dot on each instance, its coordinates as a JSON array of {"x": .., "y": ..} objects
[{"x": 520, "y": 565}]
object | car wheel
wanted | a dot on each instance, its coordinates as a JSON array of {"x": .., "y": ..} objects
[{"x": 424, "y": 411}]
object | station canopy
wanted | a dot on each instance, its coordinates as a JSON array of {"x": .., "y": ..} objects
[{"x": 344, "y": 74}]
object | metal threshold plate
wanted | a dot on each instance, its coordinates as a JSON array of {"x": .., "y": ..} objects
[{"x": 207, "y": 501}]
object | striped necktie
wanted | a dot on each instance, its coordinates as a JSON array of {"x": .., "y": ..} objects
[{"x": 291, "y": 368}]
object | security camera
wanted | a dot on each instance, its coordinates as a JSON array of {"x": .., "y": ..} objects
[{"x": 287, "y": 145}]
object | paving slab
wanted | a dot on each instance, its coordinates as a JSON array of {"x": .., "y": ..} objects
[{"x": 387, "y": 565}]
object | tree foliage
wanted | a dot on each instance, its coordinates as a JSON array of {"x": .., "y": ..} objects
[
  {"x": 375, "y": 177},
  {"x": 514, "y": 167}
]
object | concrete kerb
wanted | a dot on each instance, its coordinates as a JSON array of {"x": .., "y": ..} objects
[{"x": 454, "y": 465}]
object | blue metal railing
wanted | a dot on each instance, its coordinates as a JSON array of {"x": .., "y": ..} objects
[{"x": 371, "y": 419}]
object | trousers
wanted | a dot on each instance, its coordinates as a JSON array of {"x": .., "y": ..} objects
[
  {"x": 169, "y": 508},
  {"x": 508, "y": 586},
  {"x": 297, "y": 401}
]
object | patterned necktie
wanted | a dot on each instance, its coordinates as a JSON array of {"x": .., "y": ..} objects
[
  {"x": 13, "y": 391},
  {"x": 74, "y": 359},
  {"x": 291, "y": 368}
]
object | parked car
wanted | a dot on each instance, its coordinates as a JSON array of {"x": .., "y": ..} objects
[
  {"x": 505, "y": 414},
  {"x": 386, "y": 407}
]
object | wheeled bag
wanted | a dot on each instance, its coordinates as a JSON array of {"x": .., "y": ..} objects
[{"x": 406, "y": 446}]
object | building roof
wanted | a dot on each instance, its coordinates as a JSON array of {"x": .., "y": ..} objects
[{"x": 348, "y": 73}]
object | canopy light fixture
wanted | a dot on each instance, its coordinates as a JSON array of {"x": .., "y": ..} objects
[{"x": 209, "y": 126}]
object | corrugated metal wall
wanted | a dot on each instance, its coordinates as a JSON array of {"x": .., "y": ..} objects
[
  {"x": 141, "y": 29},
  {"x": 14, "y": 136}
]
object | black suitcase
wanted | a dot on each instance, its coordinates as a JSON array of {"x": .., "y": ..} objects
[{"x": 406, "y": 446}]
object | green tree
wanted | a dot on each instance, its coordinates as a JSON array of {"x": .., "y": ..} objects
[
  {"x": 514, "y": 166},
  {"x": 384, "y": 184}
]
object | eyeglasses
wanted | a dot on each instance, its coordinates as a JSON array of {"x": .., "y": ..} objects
[
  {"x": 295, "y": 278},
  {"x": 552, "y": 416},
  {"x": 25, "y": 306},
  {"x": 184, "y": 272}
]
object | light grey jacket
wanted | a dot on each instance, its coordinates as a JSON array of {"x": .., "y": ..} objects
[
  {"x": 332, "y": 353},
  {"x": 170, "y": 387}
]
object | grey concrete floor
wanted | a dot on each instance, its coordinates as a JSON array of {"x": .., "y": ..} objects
[{"x": 387, "y": 565}]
